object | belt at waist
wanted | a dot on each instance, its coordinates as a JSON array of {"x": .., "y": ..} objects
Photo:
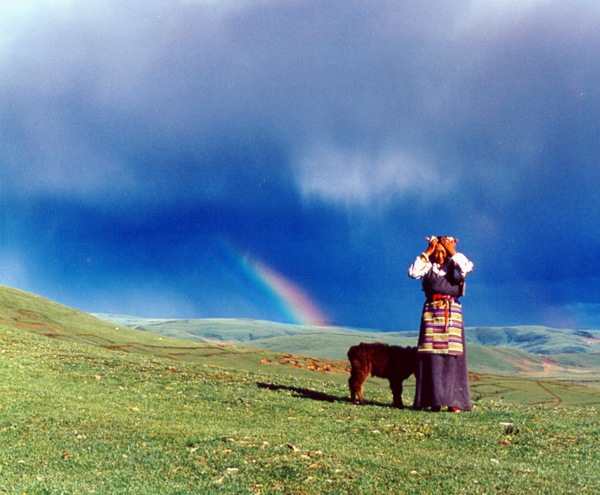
[{"x": 441, "y": 297}]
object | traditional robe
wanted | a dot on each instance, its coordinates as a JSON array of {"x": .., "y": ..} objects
[{"x": 442, "y": 378}]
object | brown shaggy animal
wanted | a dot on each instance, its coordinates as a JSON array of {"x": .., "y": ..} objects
[{"x": 393, "y": 362}]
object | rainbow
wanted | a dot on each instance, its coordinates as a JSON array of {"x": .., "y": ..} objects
[{"x": 294, "y": 305}]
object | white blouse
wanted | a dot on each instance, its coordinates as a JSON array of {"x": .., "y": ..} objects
[{"x": 420, "y": 268}]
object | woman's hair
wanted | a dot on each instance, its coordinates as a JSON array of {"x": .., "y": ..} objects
[{"x": 439, "y": 238}]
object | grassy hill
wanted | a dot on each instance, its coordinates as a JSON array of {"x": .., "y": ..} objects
[
  {"x": 538, "y": 340},
  {"x": 250, "y": 344},
  {"x": 537, "y": 352},
  {"x": 532, "y": 339},
  {"x": 87, "y": 406}
]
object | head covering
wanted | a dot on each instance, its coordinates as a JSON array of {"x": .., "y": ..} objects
[{"x": 439, "y": 238}]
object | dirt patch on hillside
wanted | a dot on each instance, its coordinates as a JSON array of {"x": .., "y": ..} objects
[{"x": 303, "y": 362}]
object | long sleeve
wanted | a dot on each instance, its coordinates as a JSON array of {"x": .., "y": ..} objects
[
  {"x": 419, "y": 268},
  {"x": 459, "y": 263},
  {"x": 462, "y": 266}
]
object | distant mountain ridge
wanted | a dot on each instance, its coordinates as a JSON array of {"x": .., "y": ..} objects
[
  {"x": 567, "y": 355},
  {"x": 537, "y": 339},
  {"x": 512, "y": 351},
  {"x": 531, "y": 339}
]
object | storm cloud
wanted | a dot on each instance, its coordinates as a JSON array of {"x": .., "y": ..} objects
[{"x": 325, "y": 139}]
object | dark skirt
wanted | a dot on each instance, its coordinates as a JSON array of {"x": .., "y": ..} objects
[{"x": 442, "y": 380}]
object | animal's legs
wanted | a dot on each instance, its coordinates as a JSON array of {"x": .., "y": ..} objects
[
  {"x": 355, "y": 382},
  {"x": 396, "y": 386}
]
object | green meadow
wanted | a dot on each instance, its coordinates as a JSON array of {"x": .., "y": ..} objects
[{"x": 89, "y": 406}]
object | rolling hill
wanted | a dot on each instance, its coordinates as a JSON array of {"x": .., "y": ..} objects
[
  {"x": 294, "y": 350},
  {"x": 90, "y": 407},
  {"x": 538, "y": 352}
]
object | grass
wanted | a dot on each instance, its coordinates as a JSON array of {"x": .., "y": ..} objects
[
  {"x": 81, "y": 419},
  {"x": 536, "y": 352},
  {"x": 89, "y": 407},
  {"x": 33, "y": 313}
]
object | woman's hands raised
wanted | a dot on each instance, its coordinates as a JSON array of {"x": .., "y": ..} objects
[{"x": 449, "y": 244}]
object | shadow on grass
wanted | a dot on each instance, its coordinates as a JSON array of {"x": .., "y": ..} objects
[{"x": 306, "y": 393}]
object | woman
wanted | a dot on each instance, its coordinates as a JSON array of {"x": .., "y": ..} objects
[{"x": 441, "y": 373}]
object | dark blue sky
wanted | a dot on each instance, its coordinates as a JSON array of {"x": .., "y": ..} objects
[{"x": 144, "y": 142}]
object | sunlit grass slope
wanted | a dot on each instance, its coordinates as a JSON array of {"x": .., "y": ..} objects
[
  {"x": 31, "y": 313},
  {"x": 289, "y": 349},
  {"x": 81, "y": 418}
]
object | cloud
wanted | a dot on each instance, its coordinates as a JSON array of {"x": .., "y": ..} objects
[
  {"x": 353, "y": 177},
  {"x": 476, "y": 14},
  {"x": 329, "y": 139},
  {"x": 96, "y": 97}
]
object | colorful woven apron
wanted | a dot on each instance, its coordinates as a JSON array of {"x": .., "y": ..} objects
[{"x": 442, "y": 326}]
